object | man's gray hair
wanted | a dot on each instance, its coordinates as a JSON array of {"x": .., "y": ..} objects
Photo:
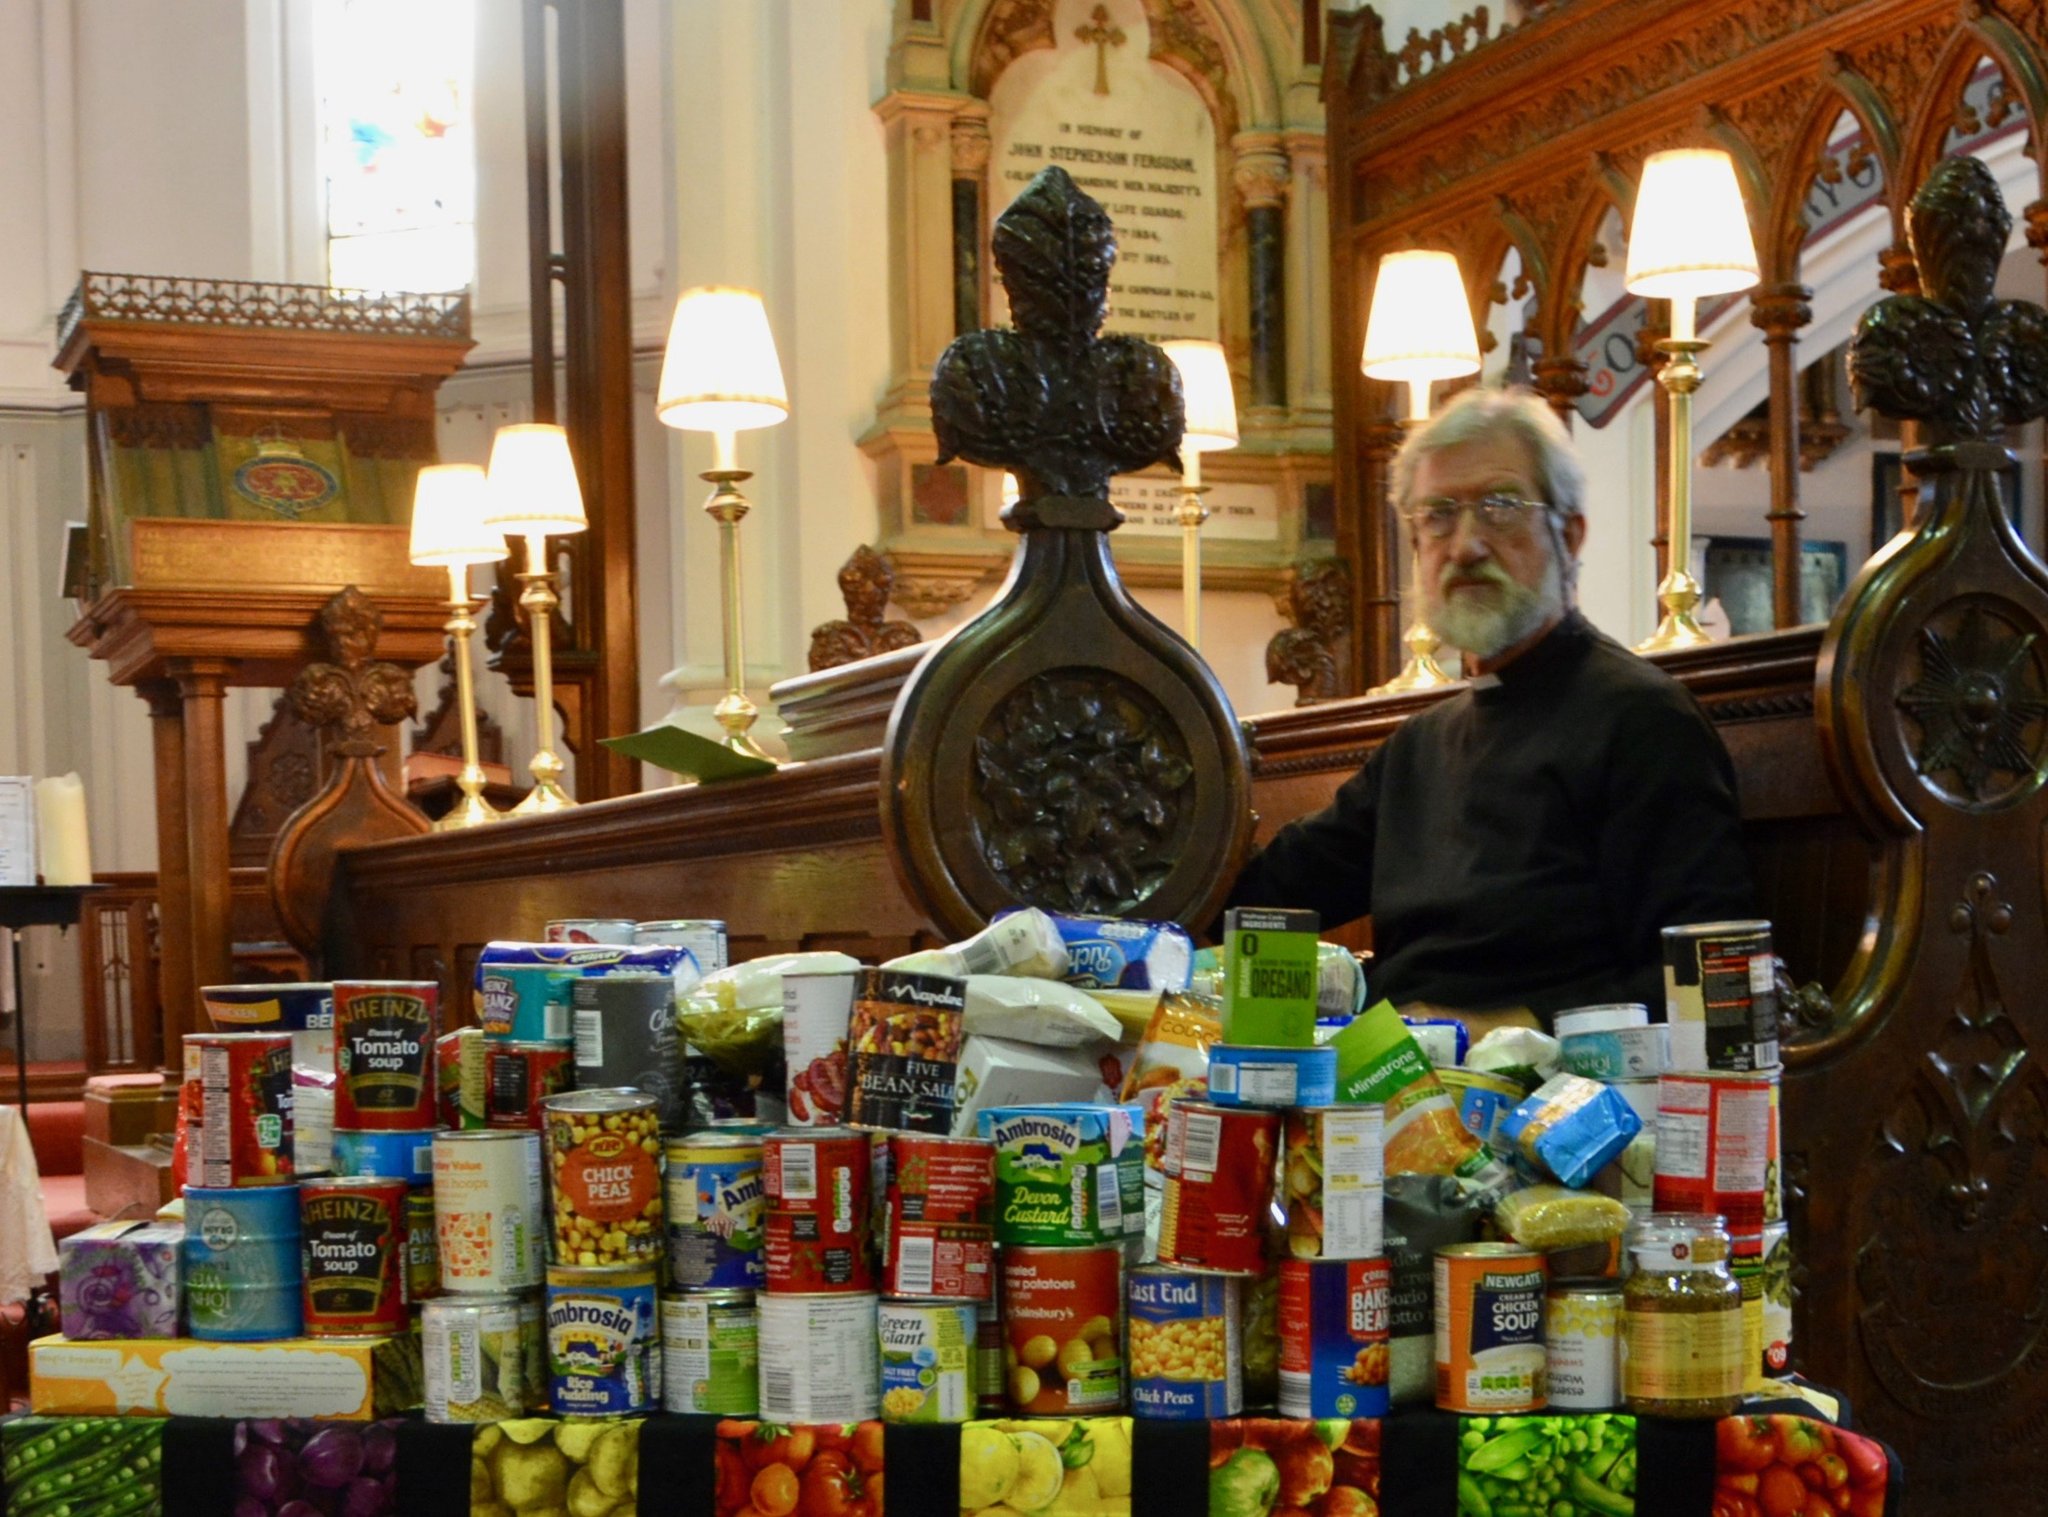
[{"x": 1480, "y": 412}]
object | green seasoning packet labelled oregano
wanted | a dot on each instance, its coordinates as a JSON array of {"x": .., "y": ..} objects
[{"x": 1269, "y": 977}]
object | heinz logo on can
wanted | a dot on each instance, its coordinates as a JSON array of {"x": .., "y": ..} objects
[
  {"x": 383, "y": 1053},
  {"x": 350, "y": 1233}
]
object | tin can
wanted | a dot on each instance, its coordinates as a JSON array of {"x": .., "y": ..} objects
[
  {"x": 1582, "y": 1345},
  {"x": 305, "y": 1011},
  {"x": 711, "y": 1353},
  {"x": 1241, "y": 1075},
  {"x": 927, "y": 1354},
  {"x": 1484, "y": 1101},
  {"x": 604, "y": 1178},
  {"x": 819, "y": 1183},
  {"x": 422, "y": 1251},
  {"x": 904, "y": 1049},
  {"x": 625, "y": 1033},
  {"x": 604, "y": 1342},
  {"x": 817, "y": 1010},
  {"x": 1063, "y": 1318},
  {"x": 618, "y": 930},
  {"x": 990, "y": 1370},
  {"x": 241, "y": 1131},
  {"x": 1489, "y": 1328},
  {"x": 352, "y": 1257},
  {"x": 476, "y": 1359},
  {"x": 1612, "y": 1043},
  {"x": 386, "y": 1155},
  {"x": 820, "y": 1360},
  {"x": 1767, "y": 1278},
  {"x": 703, "y": 936},
  {"x": 241, "y": 1263},
  {"x": 1067, "y": 1174},
  {"x": 1334, "y": 1178},
  {"x": 937, "y": 1200},
  {"x": 518, "y": 1077},
  {"x": 489, "y": 1214},
  {"x": 459, "y": 1077},
  {"x": 579, "y": 959},
  {"x": 1714, "y": 1147},
  {"x": 1335, "y": 1325},
  {"x": 384, "y": 1054},
  {"x": 802, "y": 1254},
  {"x": 1721, "y": 997},
  {"x": 1219, "y": 1184},
  {"x": 1187, "y": 1359},
  {"x": 533, "y": 1345},
  {"x": 715, "y": 1204},
  {"x": 526, "y": 1003}
]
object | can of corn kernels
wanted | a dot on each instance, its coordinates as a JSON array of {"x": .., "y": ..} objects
[
  {"x": 1186, "y": 1355},
  {"x": 928, "y": 1365},
  {"x": 604, "y": 1178}
]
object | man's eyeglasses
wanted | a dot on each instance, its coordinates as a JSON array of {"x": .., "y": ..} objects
[{"x": 1499, "y": 515}]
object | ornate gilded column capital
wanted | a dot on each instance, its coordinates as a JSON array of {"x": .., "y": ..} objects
[
  {"x": 1261, "y": 173},
  {"x": 1780, "y": 310},
  {"x": 970, "y": 144}
]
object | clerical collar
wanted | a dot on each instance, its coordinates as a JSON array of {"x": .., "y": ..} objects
[{"x": 1559, "y": 648}]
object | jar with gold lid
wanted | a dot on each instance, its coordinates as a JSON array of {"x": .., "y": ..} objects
[{"x": 1681, "y": 1340}]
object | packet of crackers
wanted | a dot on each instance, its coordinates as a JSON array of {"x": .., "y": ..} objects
[
  {"x": 1378, "y": 1059},
  {"x": 1172, "y": 1061}
]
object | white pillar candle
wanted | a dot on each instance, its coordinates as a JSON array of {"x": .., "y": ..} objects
[{"x": 60, "y": 831}]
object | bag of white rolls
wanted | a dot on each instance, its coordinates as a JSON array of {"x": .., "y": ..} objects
[
  {"x": 1035, "y": 1011},
  {"x": 1023, "y": 943}
]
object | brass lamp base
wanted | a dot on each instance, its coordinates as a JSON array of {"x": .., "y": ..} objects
[
  {"x": 1679, "y": 594},
  {"x": 471, "y": 811},
  {"x": 1192, "y": 514},
  {"x": 735, "y": 713},
  {"x": 1422, "y": 671},
  {"x": 539, "y": 600}
]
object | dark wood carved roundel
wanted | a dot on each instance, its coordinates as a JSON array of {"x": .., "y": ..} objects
[{"x": 1977, "y": 705}]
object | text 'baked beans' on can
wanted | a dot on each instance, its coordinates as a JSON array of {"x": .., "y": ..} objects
[
  {"x": 625, "y": 1027},
  {"x": 820, "y": 1360},
  {"x": 938, "y": 1196},
  {"x": 903, "y": 1045},
  {"x": 618, "y": 930},
  {"x": 478, "y": 1363},
  {"x": 1489, "y": 1328},
  {"x": 711, "y": 1353},
  {"x": 1186, "y": 1355},
  {"x": 1334, "y": 1178},
  {"x": 1721, "y": 997},
  {"x": 490, "y": 1217},
  {"x": 1219, "y": 1183},
  {"x": 386, "y": 1155},
  {"x": 817, "y": 1010},
  {"x": 241, "y": 1124},
  {"x": 705, "y": 937},
  {"x": 526, "y": 1003},
  {"x": 604, "y": 1178},
  {"x": 384, "y": 1053},
  {"x": 1063, "y": 1319},
  {"x": 927, "y": 1353},
  {"x": 1582, "y": 1345},
  {"x": 716, "y": 1202},
  {"x": 1714, "y": 1147},
  {"x": 518, "y": 1077},
  {"x": 352, "y": 1256},
  {"x": 1068, "y": 1174},
  {"x": 604, "y": 1342},
  {"x": 1335, "y": 1325},
  {"x": 816, "y": 1231},
  {"x": 422, "y": 1249}
]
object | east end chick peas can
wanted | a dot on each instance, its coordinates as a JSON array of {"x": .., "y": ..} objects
[
  {"x": 1186, "y": 1355},
  {"x": 604, "y": 1178}
]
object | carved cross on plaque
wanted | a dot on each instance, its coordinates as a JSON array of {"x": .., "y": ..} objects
[{"x": 1103, "y": 36}]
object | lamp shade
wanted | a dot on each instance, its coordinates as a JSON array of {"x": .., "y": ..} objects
[
  {"x": 532, "y": 489},
  {"x": 1690, "y": 234},
  {"x": 1205, "y": 386},
  {"x": 720, "y": 373},
  {"x": 448, "y": 526},
  {"x": 1420, "y": 326}
]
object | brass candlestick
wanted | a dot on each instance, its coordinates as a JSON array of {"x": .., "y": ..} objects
[
  {"x": 1422, "y": 671},
  {"x": 1192, "y": 514},
  {"x": 1679, "y": 592},
  {"x": 538, "y": 599},
  {"x": 735, "y": 713},
  {"x": 472, "y": 810}
]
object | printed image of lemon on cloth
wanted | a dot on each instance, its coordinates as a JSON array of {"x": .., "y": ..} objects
[{"x": 1046, "y": 1468}]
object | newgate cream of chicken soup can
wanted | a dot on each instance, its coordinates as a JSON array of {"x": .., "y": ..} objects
[
  {"x": 711, "y": 1353},
  {"x": 820, "y": 1358},
  {"x": 1186, "y": 1356},
  {"x": 1489, "y": 1328},
  {"x": 490, "y": 1213},
  {"x": 927, "y": 1350},
  {"x": 604, "y": 1178}
]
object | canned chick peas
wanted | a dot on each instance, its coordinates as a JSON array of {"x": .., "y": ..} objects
[
  {"x": 1186, "y": 1355},
  {"x": 604, "y": 1177}
]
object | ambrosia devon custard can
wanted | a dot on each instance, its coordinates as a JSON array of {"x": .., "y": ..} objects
[
  {"x": 489, "y": 1212},
  {"x": 384, "y": 1053},
  {"x": 353, "y": 1257},
  {"x": 240, "y": 1131}
]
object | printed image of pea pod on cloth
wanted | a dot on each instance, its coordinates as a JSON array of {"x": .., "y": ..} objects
[{"x": 1581, "y": 1466}]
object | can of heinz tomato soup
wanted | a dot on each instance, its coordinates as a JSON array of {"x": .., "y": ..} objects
[
  {"x": 518, "y": 1077},
  {"x": 711, "y": 1353},
  {"x": 1219, "y": 1184},
  {"x": 1714, "y": 1151},
  {"x": 490, "y": 1213},
  {"x": 1490, "y": 1355},
  {"x": 1335, "y": 1325},
  {"x": 240, "y": 1129},
  {"x": 1186, "y": 1353},
  {"x": 384, "y": 1053},
  {"x": 715, "y": 1205},
  {"x": 820, "y": 1358},
  {"x": 904, "y": 1050},
  {"x": 352, "y": 1256},
  {"x": 1063, "y": 1325},
  {"x": 817, "y": 1010},
  {"x": 928, "y": 1364}
]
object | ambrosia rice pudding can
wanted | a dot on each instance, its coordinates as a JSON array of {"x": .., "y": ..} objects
[
  {"x": 820, "y": 1359},
  {"x": 711, "y": 1353},
  {"x": 928, "y": 1365},
  {"x": 618, "y": 930},
  {"x": 518, "y": 1077},
  {"x": 817, "y": 1009},
  {"x": 703, "y": 936},
  {"x": 240, "y": 1130},
  {"x": 353, "y": 1256},
  {"x": 384, "y": 1053},
  {"x": 1219, "y": 1184},
  {"x": 490, "y": 1215},
  {"x": 715, "y": 1205},
  {"x": 904, "y": 1047},
  {"x": 1335, "y": 1331},
  {"x": 625, "y": 1034},
  {"x": 242, "y": 1262},
  {"x": 479, "y": 1367},
  {"x": 604, "y": 1178},
  {"x": 1489, "y": 1328},
  {"x": 1187, "y": 1358},
  {"x": 819, "y": 1184},
  {"x": 937, "y": 1200},
  {"x": 1063, "y": 1325},
  {"x": 604, "y": 1342},
  {"x": 1721, "y": 997}
]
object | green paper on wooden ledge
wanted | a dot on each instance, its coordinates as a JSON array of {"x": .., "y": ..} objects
[{"x": 681, "y": 751}]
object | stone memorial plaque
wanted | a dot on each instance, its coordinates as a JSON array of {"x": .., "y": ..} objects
[{"x": 1238, "y": 511}]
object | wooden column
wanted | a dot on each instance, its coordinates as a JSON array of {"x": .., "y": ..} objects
[
  {"x": 176, "y": 986},
  {"x": 1779, "y": 311},
  {"x": 1561, "y": 381},
  {"x": 1381, "y": 654},
  {"x": 202, "y": 690}
]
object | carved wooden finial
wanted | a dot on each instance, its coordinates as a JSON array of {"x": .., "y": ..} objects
[
  {"x": 1309, "y": 655},
  {"x": 353, "y": 693},
  {"x": 865, "y": 582}
]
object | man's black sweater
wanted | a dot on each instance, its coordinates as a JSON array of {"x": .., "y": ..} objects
[{"x": 1524, "y": 841}]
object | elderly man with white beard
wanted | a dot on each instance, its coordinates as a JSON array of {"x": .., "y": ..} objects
[{"x": 1521, "y": 843}]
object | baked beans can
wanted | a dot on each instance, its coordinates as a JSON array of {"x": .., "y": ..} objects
[
  {"x": 604, "y": 1178},
  {"x": 1333, "y": 1178},
  {"x": 1335, "y": 1324},
  {"x": 352, "y": 1256},
  {"x": 459, "y": 1077},
  {"x": 241, "y": 1130},
  {"x": 817, "y": 1227},
  {"x": 1489, "y": 1328},
  {"x": 241, "y": 1263},
  {"x": 716, "y": 1201},
  {"x": 817, "y": 1010},
  {"x": 384, "y": 1053},
  {"x": 1721, "y": 997},
  {"x": 927, "y": 1353},
  {"x": 1186, "y": 1355},
  {"x": 705, "y": 937},
  {"x": 386, "y": 1155},
  {"x": 1240, "y": 1075},
  {"x": 617, "y": 930},
  {"x": 490, "y": 1214},
  {"x": 422, "y": 1252},
  {"x": 1582, "y": 1345},
  {"x": 1219, "y": 1184},
  {"x": 1714, "y": 1147},
  {"x": 477, "y": 1360},
  {"x": 625, "y": 1035},
  {"x": 526, "y": 1003},
  {"x": 904, "y": 1050},
  {"x": 937, "y": 1200},
  {"x": 518, "y": 1077},
  {"x": 1063, "y": 1320},
  {"x": 820, "y": 1358},
  {"x": 1067, "y": 1174},
  {"x": 604, "y": 1342},
  {"x": 711, "y": 1353}
]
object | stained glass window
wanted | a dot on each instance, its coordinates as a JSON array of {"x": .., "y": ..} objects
[{"x": 398, "y": 142}]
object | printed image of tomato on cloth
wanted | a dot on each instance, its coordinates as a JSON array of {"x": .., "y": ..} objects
[
  {"x": 1784, "y": 1466},
  {"x": 1261, "y": 1467},
  {"x": 817, "y": 1470}
]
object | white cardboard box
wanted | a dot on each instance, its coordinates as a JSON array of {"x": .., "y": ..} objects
[{"x": 998, "y": 1072}]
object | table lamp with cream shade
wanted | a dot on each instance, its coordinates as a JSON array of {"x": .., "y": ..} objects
[
  {"x": 721, "y": 375},
  {"x": 1211, "y": 427},
  {"x": 1418, "y": 331},
  {"x": 1689, "y": 237},
  {"x": 449, "y": 503},
  {"x": 532, "y": 492}
]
